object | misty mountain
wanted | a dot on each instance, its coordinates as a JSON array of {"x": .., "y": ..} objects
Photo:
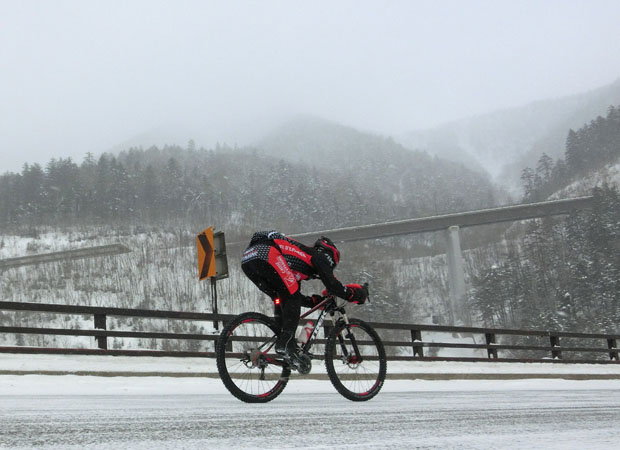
[
  {"x": 506, "y": 141},
  {"x": 236, "y": 130},
  {"x": 424, "y": 184},
  {"x": 354, "y": 178},
  {"x": 319, "y": 142}
]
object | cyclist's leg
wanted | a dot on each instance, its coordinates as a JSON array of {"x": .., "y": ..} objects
[
  {"x": 291, "y": 308},
  {"x": 290, "y": 301},
  {"x": 270, "y": 272},
  {"x": 267, "y": 280},
  {"x": 264, "y": 275}
]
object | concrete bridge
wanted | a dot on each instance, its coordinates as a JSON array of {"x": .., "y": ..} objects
[
  {"x": 444, "y": 222},
  {"x": 451, "y": 224}
]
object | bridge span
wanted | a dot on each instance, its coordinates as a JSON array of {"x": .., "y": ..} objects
[
  {"x": 451, "y": 224},
  {"x": 443, "y": 222}
]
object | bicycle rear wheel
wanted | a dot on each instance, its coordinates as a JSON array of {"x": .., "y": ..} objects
[
  {"x": 355, "y": 360},
  {"x": 246, "y": 361}
]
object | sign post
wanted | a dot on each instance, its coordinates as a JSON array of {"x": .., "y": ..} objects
[{"x": 212, "y": 262}]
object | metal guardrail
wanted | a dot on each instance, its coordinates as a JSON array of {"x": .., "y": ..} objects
[{"x": 553, "y": 349}]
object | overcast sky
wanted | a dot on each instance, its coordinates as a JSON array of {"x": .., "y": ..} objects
[{"x": 79, "y": 76}]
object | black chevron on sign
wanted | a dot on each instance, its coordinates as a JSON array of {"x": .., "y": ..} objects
[{"x": 206, "y": 245}]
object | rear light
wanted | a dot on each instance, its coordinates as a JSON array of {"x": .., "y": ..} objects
[{"x": 276, "y": 301}]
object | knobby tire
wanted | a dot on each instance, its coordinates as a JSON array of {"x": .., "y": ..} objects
[
  {"x": 250, "y": 337},
  {"x": 355, "y": 379}
]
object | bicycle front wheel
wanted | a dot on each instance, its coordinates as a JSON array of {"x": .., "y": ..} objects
[
  {"x": 246, "y": 361},
  {"x": 355, "y": 360}
]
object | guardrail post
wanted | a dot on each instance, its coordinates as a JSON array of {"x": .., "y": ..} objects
[
  {"x": 613, "y": 347},
  {"x": 491, "y": 352},
  {"x": 416, "y": 336},
  {"x": 100, "y": 323},
  {"x": 555, "y": 342}
]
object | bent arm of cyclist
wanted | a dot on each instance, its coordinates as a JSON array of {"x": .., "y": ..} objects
[{"x": 326, "y": 275}]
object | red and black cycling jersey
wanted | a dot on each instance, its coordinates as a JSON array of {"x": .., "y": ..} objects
[{"x": 304, "y": 262}]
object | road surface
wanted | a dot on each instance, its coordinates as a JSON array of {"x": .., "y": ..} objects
[{"x": 523, "y": 419}]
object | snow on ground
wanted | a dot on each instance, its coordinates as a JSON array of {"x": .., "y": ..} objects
[
  {"x": 609, "y": 175},
  {"x": 201, "y": 366},
  {"x": 67, "y": 385},
  {"x": 113, "y": 375}
]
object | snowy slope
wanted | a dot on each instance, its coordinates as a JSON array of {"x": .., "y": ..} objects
[{"x": 608, "y": 175}]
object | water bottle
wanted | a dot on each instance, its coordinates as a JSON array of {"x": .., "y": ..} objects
[{"x": 305, "y": 333}]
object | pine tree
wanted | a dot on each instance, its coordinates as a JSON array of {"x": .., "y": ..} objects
[
  {"x": 573, "y": 153},
  {"x": 32, "y": 192},
  {"x": 529, "y": 184}
]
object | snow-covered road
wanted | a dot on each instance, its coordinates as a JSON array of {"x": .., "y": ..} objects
[{"x": 310, "y": 414}]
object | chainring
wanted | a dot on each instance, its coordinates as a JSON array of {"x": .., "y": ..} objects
[{"x": 304, "y": 364}]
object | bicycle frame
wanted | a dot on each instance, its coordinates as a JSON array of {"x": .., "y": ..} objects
[
  {"x": 325, "y": 309},
  {"x": 319, "y": 322}
]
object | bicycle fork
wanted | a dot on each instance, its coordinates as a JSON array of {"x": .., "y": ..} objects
[{"x": 347, "y": 358}]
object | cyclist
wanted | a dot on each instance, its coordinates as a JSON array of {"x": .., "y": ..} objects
[{"x": 276, "y": 264}]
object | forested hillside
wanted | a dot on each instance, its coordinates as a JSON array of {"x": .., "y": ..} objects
[
  {"x": 588, "y": 150},
  {"x": 366, "y": 179},
  {"x": 155, "y": 200},
  {"x": 563, "y": 272}
]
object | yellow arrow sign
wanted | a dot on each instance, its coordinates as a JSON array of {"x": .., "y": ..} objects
[{"x": 206, "y": 254}]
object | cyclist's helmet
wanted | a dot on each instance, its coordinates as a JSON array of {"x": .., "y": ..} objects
[{"x": 326, "y": 245}]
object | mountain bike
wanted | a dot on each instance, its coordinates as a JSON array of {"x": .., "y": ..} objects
[{"x": 251, "y": 370}]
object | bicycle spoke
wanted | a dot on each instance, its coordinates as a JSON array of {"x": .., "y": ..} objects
[
  {"x": 245, "y": 365},
  {"x": 355, "y": 361}
]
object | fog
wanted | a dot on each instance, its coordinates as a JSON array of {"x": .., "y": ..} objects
[{"x": 94, "y": 76}]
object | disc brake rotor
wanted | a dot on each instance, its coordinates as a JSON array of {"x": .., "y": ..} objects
[{"x": 353, "y": 361}]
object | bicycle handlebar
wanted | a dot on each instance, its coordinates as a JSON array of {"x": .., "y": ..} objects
[{"x": 332, "y": 296}]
